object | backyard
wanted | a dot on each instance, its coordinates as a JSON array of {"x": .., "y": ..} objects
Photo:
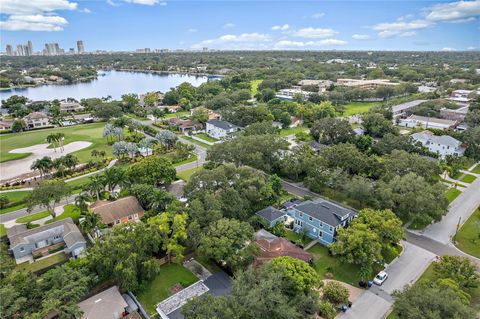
[
  {"x": 43, "y": 263},
  {"x": 468, "y": 237},
  {"x": 160, "y": 287},
  {"x": 205, "y": 137},
  {"x": 358, "y": 107},
  {"x": 292, "y": 130},
  {"x": 86, "y": 132}
]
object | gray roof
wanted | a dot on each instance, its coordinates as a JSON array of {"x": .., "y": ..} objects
[
  {"x": 445, "y": 140},
  {"x": 222, "y": 124},
  {"x": 270, "y": 213},
  {"x": 406, "y": 106},
  {"x": 66, "y": 228},
  {"x": 176, "y": 188},
  {"x": 326, "y": 211},
  {"x": 108, "y": 304},
  {"x": 317, "y": 146}
]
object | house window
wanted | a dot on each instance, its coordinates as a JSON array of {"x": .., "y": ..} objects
[
  {"x": 331, "y": 229},
  {"x": 57, "y": 237},
  {"x": 310, "y": 218},
  {"x": 130, "y": 217},
  {"x": 117, "y": 221},
  {"x": 136, "y": 216},
  {"x": 301, "y": 214},
  {"x": 320, "y": 234},
  {"x": 321, "y": 224},
  {"x": 22, "y": 249}
]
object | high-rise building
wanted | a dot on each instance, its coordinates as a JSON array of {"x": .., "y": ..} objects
[
  {"x": 30, "y": 47},
  {"x": 26, "y": 50},
  {"x": 20, "y": 50},
  {"x": 80, "y": 47},
  {"x": 9, "y": 49}
]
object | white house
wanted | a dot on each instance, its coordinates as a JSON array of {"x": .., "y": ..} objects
[
  {"x": 36, "y": 120},
  {"x": 427, "y": 122},
  {"x": 220, "y": 129},
  {"x": 71, "y": 107},
  {"x": 442, "y": 145},
  {"x": 289, "y": 94}
]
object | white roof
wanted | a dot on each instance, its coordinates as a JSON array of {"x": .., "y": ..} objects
[{"x": 431, "y": 120}]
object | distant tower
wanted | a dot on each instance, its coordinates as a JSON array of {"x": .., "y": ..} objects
[
  {"x": 57, "y": 49},
  {"x": 26, "y": 50},
  {"x": 80, "y": 47},
  {"x": 9, "y": 49},
  {"x": 20, "y": 50},
  {"x": 30, "y": 47}
]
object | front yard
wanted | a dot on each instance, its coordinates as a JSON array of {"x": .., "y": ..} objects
[
  {"x": 292, "y": 130},
  {"x": 468, "y": 237},
  {"x": 205, "y": 137},
  {"x": 452, "y": 193},
  {"x": 160, "y": 287},
  {"x": 468, "y": 178}
]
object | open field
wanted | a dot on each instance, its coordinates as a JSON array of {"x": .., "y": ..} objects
[
  {"x": 158, "y": 289},
  {"x": 359, "y": 107},
  {"x": 87, "y": 132},
  {"x": 468, "y": 237}
]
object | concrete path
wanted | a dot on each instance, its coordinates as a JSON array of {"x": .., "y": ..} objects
[{"x": 12, "y": 169}]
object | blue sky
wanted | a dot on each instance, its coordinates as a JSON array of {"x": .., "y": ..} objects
[{"x": 300, "y": 25}]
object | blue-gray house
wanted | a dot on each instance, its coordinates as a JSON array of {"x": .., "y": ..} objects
[
  {"x": 321, "y": 219},
  {"x": 272, "y": 215}
]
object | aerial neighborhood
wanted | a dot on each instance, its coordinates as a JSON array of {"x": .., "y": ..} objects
[{"x": 239, "y": 184}]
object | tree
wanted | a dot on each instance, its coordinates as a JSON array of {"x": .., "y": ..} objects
[
  {"x": 400, "y": 163},
  {"x": 226, "y": 241},
  {"x": 81, "y": 201},
  {"x": 113, "y": 177},
  {"x": 332, "y": 131},
  {"x": 166, "y": 138},
  {"x": 462, "y": 270},
  {"x": 348, "y": 158},
  {"x": 105, "y": 111},
  {"x": 200, "y": 114},
  {"x": 48, "y": 194},
  {"x": 376, "y": 125},
  {"x": 335, "y": 293},
  {"x": 259, "y": 128},
  {"x": 43, "y": 165},
  {"x": 151, "y": 197},
  {"x": 95, "y": 185},
  {"x": 17, "y": 126},
  {"x": 151, "y": 99},
  {"x": 298, "y": 275},
  {"x": 91, "y": 222},
  {"x": 130, "y": 101},
  {"x": 173, "y": 230},
  {"x": 429, "y": 301},
  {"x": 152, "y": 170},
  {"x": 472, "y": 139},
  {"x": 326, "y": 310},
  {"x": 384, "y": 223}
]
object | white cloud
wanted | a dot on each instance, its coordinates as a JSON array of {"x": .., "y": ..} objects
[
  {"x": 318, "y": 15},
  {"x": 285, "y": 44},
  {"x": 361, "y": 37},
  {"x": 400, "y": 28},
  {"x": 314, "y": 33},
  {"x": 284, "y": 27},
  {"x": 244, "y": 41},
  {"x": 471, "y": 48},
  {"x": 163, "y": 3},
  {"x": 192, "y": 30},
  {"x": 33, "y": 23},
  {"x": 228, "y": 25},
  {"x": 449, "y": 49},
  {"x": 461, "y": 11},
  {"x": 144, "y": 2},
  {"x": 86, "y": 10},
  {"x": 24, "y": 7},
  {"x": 407, "y": 34}
]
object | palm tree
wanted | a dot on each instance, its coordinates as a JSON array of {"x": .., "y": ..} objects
[
  {"x": 53, "y": 139},
  {"x": 43, "y": 165},
  {"x": 90, "y": 222},
  {"x": 81, "y": 201},
  {"x": 70, "y": 161},
  {"x": 94, "y": 153},
  {"x": 95, "y": 185},
  {"x": 60, "y": 140},
  {"x": 114, "y": 177}
]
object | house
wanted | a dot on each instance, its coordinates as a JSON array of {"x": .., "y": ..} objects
[
  {"x": 25, "y": 244},
  {"x": 321, "y": 219},
  {"x": 176, "y": 189},
  {"x": 316, "y": 147},
  {"x": 400, "y": 109},
  {"x": 272, "y": 247},
  {"x": 414, "y": 121},
  {"x": 71, "y": 107},
  {"x": 365, "y": 84},
  {"x": 460, "y": 97},
  {"x": 184, "y": 125},
  {"x": 454, "y": 114},
  {"x": 36, "y": 120},
  {"x": 289, "y": 94},
  {"x": 108, "y": 304},
  {"x": 220, "y": 129},
  {"x": 5, "y": 125},
  {"x": 442, "y": 145},
  {"x": 272, "y": 215},
  {"x": 122, "y": 210}
]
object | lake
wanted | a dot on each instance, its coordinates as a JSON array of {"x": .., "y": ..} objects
[{"x": 113, "y": 83}]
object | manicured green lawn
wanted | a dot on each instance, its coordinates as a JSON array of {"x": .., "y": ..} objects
[
  {"x": 468, "y": 178},
  {"x": 12, "y": 208},
  {"x": 44, "y": 263},
  {"x": 294, "y": 237},
  {"x": 186, "y": 174},
  {"x": 86, "y": 132},
  {"x": 292, "y": 130},
  {"x": 359, "y": 107},
  {"x": 324, "y": 263},
  {"x": 188, "y": 138},
  {"x": 3, "y": 230},
  {"x": 188, "y": 160},
  {"x": 205, "y": 137},
  {"x": 468, "y": 237},
  {"x": 78, "y": 183},
  {"x": 69, "y": 210},
  {"x": 476, "y": 169},
  {"x": 32, "y": 217},
  {"x": 178, "y": 114},
  {"x": 14, "y": 197},
  {"x": 254, "y": 86},
  {"x": 452, "y": 193},
  {"x": 159, "y": 288}
]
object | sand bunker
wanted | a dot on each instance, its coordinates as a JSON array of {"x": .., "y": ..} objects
[{"x": 12, "y": 169}]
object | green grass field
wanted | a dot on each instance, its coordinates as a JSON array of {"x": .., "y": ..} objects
[
  {"x": 186, "y": 174},
  {"x": 32, "y": 217},
  {"x": 294, "y": 237},
  {"x": 86, "y": 132},
  {"x": 359, "y": 107},
  {"x": 468, "y": 178},
  {"x": 476, "y": 169},
  {"x": 468, "y": 237},
  {"x": 205, "y": 137},
  {"x": 69, "y": 210},
  {"x": 44, "y": 263},
  {"x": 196, "y": 142},
  {"x": 14, "y": 197},
  {"x": 292, "y": 130},
  {"x": 254, "y": 86},
  {"x": 158, "y": 289},
  {"x": 3, "y": 230},
  {"x": 452, "y": 193},
  {"x": 178, "y": 114}
]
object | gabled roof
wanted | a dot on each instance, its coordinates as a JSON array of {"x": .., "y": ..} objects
[
  {"x": 270, "y": 213},
  {"x": 326, "y": 211},
  {"x": 36, "y": 116},
  {"x": 444, "y": 140},
  {"x": 111, "y": 211},
  {"x": 222, "y": 124},
  {"x": 104, "y": 305}
]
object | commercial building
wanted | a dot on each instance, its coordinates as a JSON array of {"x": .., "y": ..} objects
[
  {"x": 80, "y": 47},
  {"x": 365, "y": 84},
  {"x": 9, "y": 49},
  {"x": 414, "y": 121}
]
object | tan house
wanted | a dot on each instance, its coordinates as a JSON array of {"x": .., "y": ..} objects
[
  {"x": 71, "y": 107},
  {"x": 36, "y": 120},
  {"x": 123, "y": 210}
]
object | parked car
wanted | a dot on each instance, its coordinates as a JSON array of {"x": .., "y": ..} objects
[{"x": 380, "y": 278}]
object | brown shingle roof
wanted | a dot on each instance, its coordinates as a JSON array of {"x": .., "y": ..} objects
[{"x": 111, "y": 211}]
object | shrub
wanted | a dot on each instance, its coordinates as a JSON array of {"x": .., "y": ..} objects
[
  {"x": 326, "y": 310},
  {"x": 335, "y": 293}
]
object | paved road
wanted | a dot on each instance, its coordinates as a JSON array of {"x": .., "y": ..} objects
[
  {"x": 201, "y": 156},
  {"x": 460, "y": 209}
]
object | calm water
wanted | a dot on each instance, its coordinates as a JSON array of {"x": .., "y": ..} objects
[{"x": 113, "y": 83}]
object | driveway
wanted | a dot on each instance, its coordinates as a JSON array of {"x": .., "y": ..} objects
[{"x": 12, "y": 169}]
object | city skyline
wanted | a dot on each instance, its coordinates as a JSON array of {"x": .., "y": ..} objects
[{"x": 116, "y": 25}]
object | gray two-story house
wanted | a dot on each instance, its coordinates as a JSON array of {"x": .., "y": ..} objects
[
  {"x": 24, "y": 243},
  {"x": 321, "y": 219}
]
